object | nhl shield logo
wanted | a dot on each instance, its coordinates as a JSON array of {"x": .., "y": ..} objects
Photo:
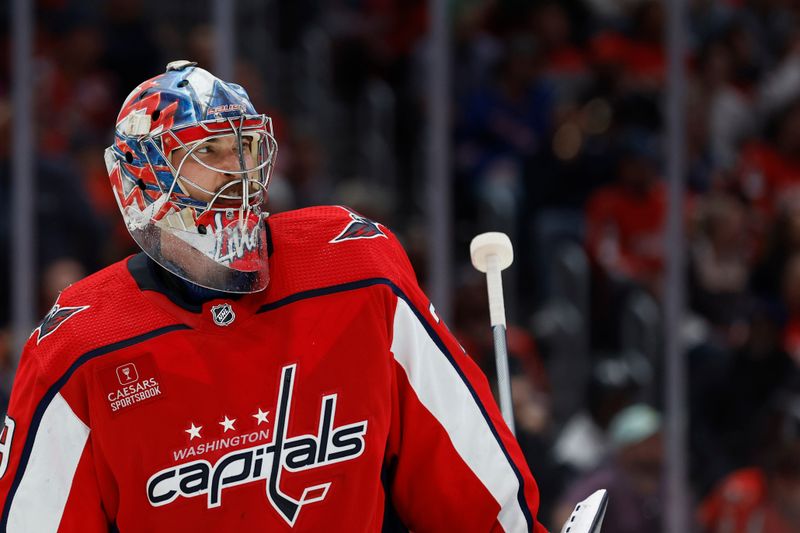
[{"x": 223, "y": 314}]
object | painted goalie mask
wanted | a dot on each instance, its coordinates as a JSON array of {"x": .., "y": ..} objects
[{"x": 189, "y": 167}]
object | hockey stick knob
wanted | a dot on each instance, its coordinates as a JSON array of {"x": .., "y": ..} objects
[{"x": 491, "y": 243}]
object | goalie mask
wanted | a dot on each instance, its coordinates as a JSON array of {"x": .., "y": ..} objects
[{"x": 189, "y": 167}]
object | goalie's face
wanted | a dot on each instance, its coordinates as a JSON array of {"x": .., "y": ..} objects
[{"x": 218, "y": 170}]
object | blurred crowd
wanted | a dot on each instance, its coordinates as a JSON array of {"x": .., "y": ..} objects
[{"x": 558, "y": 130}]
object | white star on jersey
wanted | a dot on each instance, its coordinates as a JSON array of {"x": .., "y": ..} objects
[
  {"x": 193, "y": 431},
  {"x": 227, "y": 424},
  {"x": 261, "y": 416}
]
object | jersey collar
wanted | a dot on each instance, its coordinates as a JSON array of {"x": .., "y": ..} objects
[{"x": 211, "y": 310}]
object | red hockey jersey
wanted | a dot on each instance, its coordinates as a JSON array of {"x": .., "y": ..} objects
[{"x": 335, "y": 400}]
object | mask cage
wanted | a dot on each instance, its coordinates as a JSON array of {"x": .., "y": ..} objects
[{"x": 254, "y": 179}]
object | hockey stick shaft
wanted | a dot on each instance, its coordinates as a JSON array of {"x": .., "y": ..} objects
[
  {"x": 497, "y": 316},
  {"x": 503, "y": 377}
]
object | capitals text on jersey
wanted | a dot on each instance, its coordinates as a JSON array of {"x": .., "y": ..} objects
[{"x": 267, "y": 461}]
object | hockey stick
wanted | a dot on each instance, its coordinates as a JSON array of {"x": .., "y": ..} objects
[
  {"x": 491, "y": 253},
  {"x": 588, "y": 514}
]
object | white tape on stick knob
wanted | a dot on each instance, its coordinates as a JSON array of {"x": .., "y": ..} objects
[
  {"x": 492, "y": 253},
  {"x": 491, "y": 243}
]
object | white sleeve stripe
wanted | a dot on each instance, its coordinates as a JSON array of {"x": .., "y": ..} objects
[
  {"x": 442, "y": 390},
  {"x": 45, "y": 486}
]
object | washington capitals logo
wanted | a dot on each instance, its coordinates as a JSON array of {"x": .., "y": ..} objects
[
  {"x": 54, "y": 318},
  {"x": 359, "y": 228},
  {"x": 270, "y": 463}
]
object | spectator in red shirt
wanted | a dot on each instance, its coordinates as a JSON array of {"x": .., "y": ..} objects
[
  {"x": 766, "y": 500},
  {"x": 639, "y": 53},
  {"x": 552, "y": 26},
  {"x": 769, "y": 171},
  {"x": 625, "y": 219}
]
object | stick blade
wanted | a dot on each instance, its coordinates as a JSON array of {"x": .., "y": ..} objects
[{"x": 588, "y": 514}]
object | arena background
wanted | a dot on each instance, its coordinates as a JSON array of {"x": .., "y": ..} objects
[{"x": 643, "y": 156}]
